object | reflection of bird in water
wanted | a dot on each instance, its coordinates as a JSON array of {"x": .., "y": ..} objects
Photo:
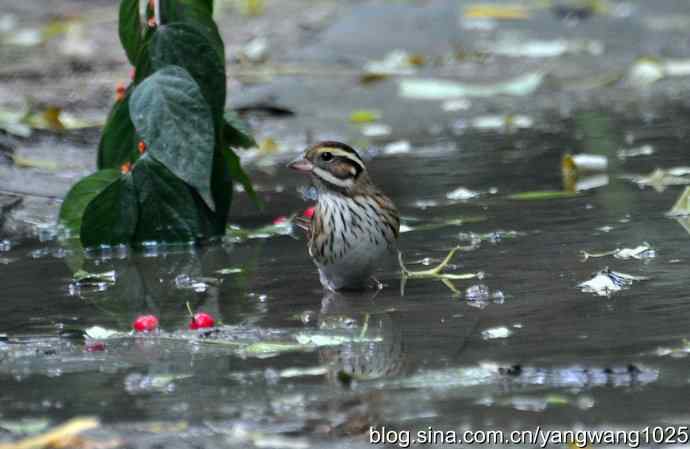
[
  {"x": 378, "y": 354},
  {"x": 376, "y": 349}
]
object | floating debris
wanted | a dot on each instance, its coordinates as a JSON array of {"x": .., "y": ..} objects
[
  {"x": 256, "y": 50},
  {"x": 198, "y": 285},
  {"x": 678, "y": 352},
  {"x": 644, "y": 150},
  {"x": 584, "y": 162},
  {"x": 462, "y": 194},
  {"x": 398, "y": 147},
  {"x": 542, "y": 49},
  {"x": 648, "y": 70},
  {"x": 85, "y": 278},
  {"x": 640, "y": 252},
  {"x": 289, "y": 373},
  {"x": 606, "y": 282},
  {"x": 539, "y": 195},
  {"x": 496, "y": 332},
  {"x": 457, "y": 104},
  {"x": 510, "y": 122},
  {"x": 492, "y": 237},
  {"x": 226, "y": 271},
  {"x": 137, "y": 383},
  {"x": 396, "y": 62},
  {"x": 438, "y": 89},
  {"x": 376, "y": 130},
  {"x": 100, "y": 333},
  {"x": 364, "y": 116},
  {"x": 64, "y": 435},
  {"x": 659, "y": 179},
  {"x": 236, "y": 234},
  {"x": 496, "y": 11},
  {"x": 682, "y": 206}
]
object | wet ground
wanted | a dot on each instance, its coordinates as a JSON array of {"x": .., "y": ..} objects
[{"x": 293, "y": 366}]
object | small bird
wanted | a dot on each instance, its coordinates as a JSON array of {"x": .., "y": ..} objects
[{"x": 354, "y": 224}]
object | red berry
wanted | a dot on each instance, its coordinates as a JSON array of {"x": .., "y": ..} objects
[
  {"x": 202, "y": 320},
  {"x": 309, "y": 211},
  {"x": 120, "y": 90},
  {"x": 126, "y": 168},
  {"x": 94, "y": 346},
  {"x": 280, "y": 220},
  {"x": 141, "y": 147},
  {"x": 145, "y": 323}
]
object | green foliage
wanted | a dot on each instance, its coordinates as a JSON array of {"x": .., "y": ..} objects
[
  {"x": 130, "y": 28},
  {"x": 181, "y": 134},
  {"x": 166, "y": 160},
  {"x": 81, "y": 194},
  {"x": 118, "y": 141},
  {"x": 111, "y": 217}
]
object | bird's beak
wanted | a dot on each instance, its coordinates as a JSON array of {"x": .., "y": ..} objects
[{"x": 301, "y": 164}]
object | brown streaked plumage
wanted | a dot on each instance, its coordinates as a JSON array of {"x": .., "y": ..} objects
[{"x": 354, "y": 223}]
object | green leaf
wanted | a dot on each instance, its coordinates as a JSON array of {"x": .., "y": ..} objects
[
  {"x": 187, "y": 46},
  {"x": 111, "y": 217},
  {"x": 169, "y": 211},
  {"x": 81, "y": 194},
  {"x": 221, "y": 185},
  {"x": 236, "y": 132},
  {"x": 118, "y": 140},
  {"x": 542, "y": 195},
  {"x": 239, "y": 175},
  {"x": 130, "y": 28},
  {"x": 143, "y": 61},
  {"x": 170, "y": 114}
]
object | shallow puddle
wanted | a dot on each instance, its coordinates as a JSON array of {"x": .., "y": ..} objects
[{"x": 292, "y": 366}]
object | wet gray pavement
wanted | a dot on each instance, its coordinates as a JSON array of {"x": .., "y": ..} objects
[{"x": 293, "y": 366}]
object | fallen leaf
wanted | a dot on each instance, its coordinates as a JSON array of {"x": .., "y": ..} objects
[
  {"x": 61, "y": 436},
  {"x": 682, "y": 206},
  {"x": 644, "y": 150},
  {"x": 496, "y": 11},
  {"x": 659, "y": 179},
  {"x": 496, "y": 332},
  {"x": 606, "y": 282},
  {"x": 542, "y": 195},
  {"x": 439, "y": 89},
  {"x": 364, "y": 116}
]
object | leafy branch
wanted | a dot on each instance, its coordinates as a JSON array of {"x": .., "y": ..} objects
[{"x": 166, "y": 159}]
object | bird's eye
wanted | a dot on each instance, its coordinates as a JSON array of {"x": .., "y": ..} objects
[{"x": 326, "y": 156}]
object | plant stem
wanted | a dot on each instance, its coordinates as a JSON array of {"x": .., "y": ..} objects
[{"x": 157, "y": 11}]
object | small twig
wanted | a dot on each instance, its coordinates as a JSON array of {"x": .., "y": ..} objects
[
  {"x": 436, "y": 272},
  {"x": 586, "y": 255}
]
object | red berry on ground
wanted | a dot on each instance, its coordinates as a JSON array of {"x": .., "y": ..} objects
[
  {"x": 145, "y": 323},
  {"x": 142, "y": 147},
  {"x": 280, "y": 220},
  {"x": 309, "y": 212},
  {"x": 202, "y": 320}
]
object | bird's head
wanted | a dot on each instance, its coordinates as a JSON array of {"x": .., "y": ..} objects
[{"x": 333, "y": 166}]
